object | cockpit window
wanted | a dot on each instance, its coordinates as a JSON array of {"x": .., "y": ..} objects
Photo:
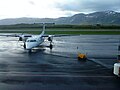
[
  {"x": 31, "y": 40},
  {"x": 27, "y": 36}
]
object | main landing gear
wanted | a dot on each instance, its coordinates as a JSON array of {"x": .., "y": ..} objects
[{"x": 51, "y": 46}]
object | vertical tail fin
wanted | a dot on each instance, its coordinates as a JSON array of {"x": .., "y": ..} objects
[{"x": 43, "y": 31}]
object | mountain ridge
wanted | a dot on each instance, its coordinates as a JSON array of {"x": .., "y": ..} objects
[{"x": 103, "y": 17}]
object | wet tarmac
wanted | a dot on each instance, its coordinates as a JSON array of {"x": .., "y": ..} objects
[{"x": 59, "y": 69}]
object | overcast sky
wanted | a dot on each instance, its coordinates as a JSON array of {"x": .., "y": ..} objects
[{"x": 53, "y": 8}]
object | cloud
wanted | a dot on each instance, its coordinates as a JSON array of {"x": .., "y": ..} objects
[
  {"x": 31, "y": 2},
  {"x": 89, "y": 5},
  {"x": 53, "y": 8}
]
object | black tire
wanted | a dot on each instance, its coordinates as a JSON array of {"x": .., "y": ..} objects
[{"x": 51, "y": 46}]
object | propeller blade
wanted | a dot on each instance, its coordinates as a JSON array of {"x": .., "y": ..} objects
[
  {"x": 24, "y": 45},
  {"x": 51, "y": 46}
]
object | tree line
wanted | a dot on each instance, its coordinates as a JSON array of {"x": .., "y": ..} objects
[{"x": 37, "y": 25}]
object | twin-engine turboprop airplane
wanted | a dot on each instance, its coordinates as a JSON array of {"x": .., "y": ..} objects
[
  {"x": 32, "y": 41},
  {"x": 36, "y": 40}
]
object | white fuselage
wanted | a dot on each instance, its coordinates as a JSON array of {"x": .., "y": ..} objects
[{"x": 33, "y": 42}]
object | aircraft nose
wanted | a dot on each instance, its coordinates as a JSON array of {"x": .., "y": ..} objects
[{"x": 28, "y": 46}]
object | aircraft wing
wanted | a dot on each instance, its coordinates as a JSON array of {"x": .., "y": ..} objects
[
  {"x": 59, "y": 35},
  {"x": 29, "y": 35},
  {"x": 14, "y": 35},
  {"x": 10, "y": 35}
]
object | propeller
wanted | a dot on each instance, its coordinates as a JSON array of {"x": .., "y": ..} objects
[
  {"x": 51, "y": 46},
  {"x": 24, "y": 45},
  {"x": 20, "y": 38},
  {"x": 50, "y": 39}
]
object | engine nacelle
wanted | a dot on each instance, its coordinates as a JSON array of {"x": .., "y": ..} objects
[
  {"x": 20, "y": 39},
  {"x": 50, "y": 38},
  {"x": 24, "y": 37}
]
